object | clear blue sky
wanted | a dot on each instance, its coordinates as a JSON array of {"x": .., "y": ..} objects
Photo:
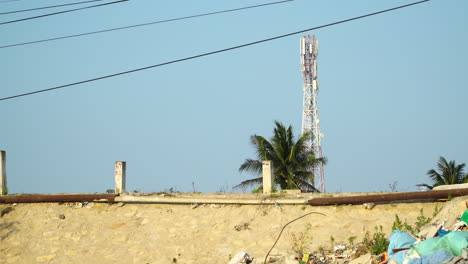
[{"x": 393, "y": 93}]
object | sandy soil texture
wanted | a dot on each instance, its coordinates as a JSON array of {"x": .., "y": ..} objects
[{"x": 168, "y": 233}]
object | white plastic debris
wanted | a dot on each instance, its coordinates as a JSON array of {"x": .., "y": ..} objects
[
  {"x": 242, "y": 258},
  {"x": 339, "y": 247}
]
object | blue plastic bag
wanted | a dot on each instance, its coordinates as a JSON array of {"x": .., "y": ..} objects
[
  {"x": 399, "y": 239},
  {"x": 436, "y": 257}
]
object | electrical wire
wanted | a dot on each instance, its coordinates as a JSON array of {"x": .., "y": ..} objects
[
  {"x": 144, "y": 24},
  {"x": 62, "y": 12},
  {"x": 46, "y": 7},
  {"x": 6, "y": 1},
  {"x": 211, "y": 53}
]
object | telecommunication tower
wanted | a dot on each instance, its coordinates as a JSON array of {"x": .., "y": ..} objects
[{"x": 310, "y": 118}]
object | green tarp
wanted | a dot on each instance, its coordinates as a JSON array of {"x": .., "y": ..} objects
[{"x": 453, "y": 242}]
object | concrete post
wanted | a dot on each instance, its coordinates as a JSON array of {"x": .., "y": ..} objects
[
  {"x": 3, "y": 178},
  {"x": 267, "y": 170},
  {"x": 120, "y": 176}
]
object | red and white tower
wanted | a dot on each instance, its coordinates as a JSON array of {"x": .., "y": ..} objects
[{"x": 310, "y": 113}]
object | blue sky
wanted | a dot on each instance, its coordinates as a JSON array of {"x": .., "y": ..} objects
[{"x": 392, "y": 98}]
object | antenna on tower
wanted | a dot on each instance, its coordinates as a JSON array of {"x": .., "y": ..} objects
[{"x": 310, "y": 113}]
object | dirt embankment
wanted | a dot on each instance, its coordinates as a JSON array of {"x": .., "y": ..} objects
[{"x": 168, "y": 233}]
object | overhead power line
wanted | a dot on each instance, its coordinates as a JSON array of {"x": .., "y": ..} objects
[
  {"x": 144, "y": 24},
  {"x": 211, "y": 53},
  {"x": 6, "y": 1},
  {"x": 46, "y": 7},
  {"x": 61, "y": 12}
]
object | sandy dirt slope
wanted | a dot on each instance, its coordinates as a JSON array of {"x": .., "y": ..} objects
[{"x": 167, "y": 233}]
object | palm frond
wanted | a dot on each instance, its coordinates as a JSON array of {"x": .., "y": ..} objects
[
  {"x": 251, "y": 165},
  {"x": 436, "y": 177},
  {"x": 449, "y": 173},
  {"x": 425, "y": 185},
  {"x": 305, "y": 186},
  {"x": 250, "y": 182},
  {"x": 262, "y": 147}
]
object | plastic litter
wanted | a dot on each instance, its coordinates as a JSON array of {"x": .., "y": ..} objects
[
  {"x": 462, "y": 259},
  {"x": 436, "y": 257},
  {"x": 453, "y": 242},
  {"x": 399, "y": 239},
  {"x": 383, "y": 258},
  {"x": 398, "y": 257},
  {"x": 242, "y": 258},
  {"x": 339, "y": 247},
  {"x": 459, "y": 225},
  {"x": 411, "y": 254},
  {"x": 442, "y": 232},
  {"x": 464, "y": 217},
  {"x": 305, "y": 259}
]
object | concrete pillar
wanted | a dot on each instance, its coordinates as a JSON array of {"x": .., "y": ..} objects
[
  {"x": 120, "y": 176},
  {"x": 3, "y": 178},
  {"x": 267, "y": 170}
]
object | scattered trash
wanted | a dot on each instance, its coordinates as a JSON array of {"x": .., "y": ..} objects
[
  {"x": 445, "y": 242},
  {"x": 381, "y": 259},
  {"x": 244, "y": 226},
  {"x": 369, "y": 206},
  {"x": 61, "y": 216},
  {"x": 462, "y": 259},
  {"x": 429, "y": 231},
  {"x": 464, "y": 217},
  {"x": 453, "y": 242},
  {"x": 305, "y": 259},
  {"x": 242, "y": 258},
  {"x": 442, "y": 232},
  {"x": 339, "y": 247},
  {"x": 458, "y": 226},
  {"x": 399, "y": 240},
  {"x": 277, "y": 205},
  {"x": 436, "y": 257}
]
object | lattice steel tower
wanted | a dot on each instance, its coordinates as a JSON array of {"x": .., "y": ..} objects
[{"x": 310, "y": 113}]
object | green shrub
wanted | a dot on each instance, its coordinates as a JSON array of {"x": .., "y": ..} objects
[
  {"x": 376, "y": 244},
  {"x": 351, "y": 241},
  {"x": 258, "y": 190},
  {"x": 302, "y": 240},
  {"x": 421, "y": 221}
]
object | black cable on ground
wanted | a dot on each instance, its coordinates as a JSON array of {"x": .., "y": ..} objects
[
  {"x": 61, "y": 12},
  {"x": 144, "y": 24},
  {"x": 46, "y": 7},
  {"x": 210, "y": 53},
  {"x": 282, "y": 229}
]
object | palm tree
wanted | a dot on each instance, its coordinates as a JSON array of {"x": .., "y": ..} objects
[
  {"x": 449, "y": 173},
  {"x": 291, "y": 160}
]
